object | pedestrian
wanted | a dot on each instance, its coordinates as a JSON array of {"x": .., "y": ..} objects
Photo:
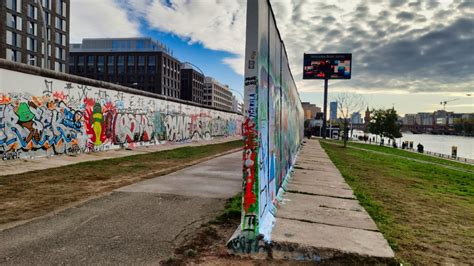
[{"x": 420, "y": 148}]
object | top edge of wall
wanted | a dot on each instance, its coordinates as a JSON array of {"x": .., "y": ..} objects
[
  {"x": 284, "y": 47},
  {"x": 33, "y": 70}
]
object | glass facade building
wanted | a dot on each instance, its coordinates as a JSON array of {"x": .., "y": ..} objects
[{"x": 140, "y": 63}]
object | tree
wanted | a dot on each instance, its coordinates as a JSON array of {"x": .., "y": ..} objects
[
  {"x": 385, "y": 123},
  {"x": 347, "y": 104}
]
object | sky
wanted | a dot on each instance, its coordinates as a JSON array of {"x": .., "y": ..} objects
[{"x": 407, "y": 54}]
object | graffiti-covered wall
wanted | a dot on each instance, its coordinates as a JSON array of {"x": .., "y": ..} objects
[
  {"x": 42, "y": 116},
  {"x": 273, "y": 127}
]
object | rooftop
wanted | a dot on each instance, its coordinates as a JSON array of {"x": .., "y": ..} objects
[{"x": 138, "y": 44}]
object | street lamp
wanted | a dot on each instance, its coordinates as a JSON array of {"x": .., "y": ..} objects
[{"x": 45, "y": 35}]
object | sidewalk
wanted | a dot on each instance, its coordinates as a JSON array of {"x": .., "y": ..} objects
[
  {"x": 321, "y": 220},
  {"x": 140, "y": 224},
  {"x": 12, "y": 167}
]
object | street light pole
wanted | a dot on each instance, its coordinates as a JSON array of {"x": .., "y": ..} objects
[{"x": 45, "y": 35}]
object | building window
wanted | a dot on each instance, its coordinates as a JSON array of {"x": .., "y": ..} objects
[
  {"x": 13, "y": 55},
  {"x": 71, "y": 64},
  {"x": 151, "y": 64},
  {"x": 100, "y": 64},
  {"x": 60, "y": 53},
  {"x": 61, "y": 7},
  {"x": 14, "y": 21},
  {"x": 141, "y": 64},
  {"x": 90, "y": 64},
  {"x": 121, "y": 64},
  {"x": 110, "y": 64},
  {"x": 14, "y": 5},
  {"x": 32, "y": 28},
  {"x": 32, "y": 12},
  {"x": 47, "y": 17},
  {"x": 31, "y": 44},
  {"x": 59, "y": 67},
  {"x": 60, "y": 39},
  {"x": 60, "y": 24},
  {"x": 47, "y": 4},
  {"x": 14, "y": 39},
  {"x": 80, "y": 64},
  {"x": 130, "y": 64},
  {"x": 32, "y": 60}
]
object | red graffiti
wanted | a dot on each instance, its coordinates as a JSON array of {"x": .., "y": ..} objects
[
  {"x": 94, "y": 121},
  {"x": 249, "y": 159},
  {"x": 59, "y": 96}
]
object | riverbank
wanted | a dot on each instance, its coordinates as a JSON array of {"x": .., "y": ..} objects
[
  {"x": 435, "y": 144},
  {"x": 423, "y": 205}
]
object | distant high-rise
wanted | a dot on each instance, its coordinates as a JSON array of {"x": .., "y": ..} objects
[
  {"x": 192, "y": 84},
  {"x": 356, "y": 118},
  {"x": 217, "y": 95},
  {"x": 140, "y": 63},
  {"x": 21, "y": 32},
  {"x": 310, "y": 110},
  {"x": 333, "y": 111}
]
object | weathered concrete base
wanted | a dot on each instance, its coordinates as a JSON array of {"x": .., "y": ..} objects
[{"x": 320, "y": 219}]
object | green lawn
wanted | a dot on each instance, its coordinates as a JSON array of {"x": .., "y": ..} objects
[
  {"x": 413, "y": 155},
  {"x": 31, "y": 194},
  {"x": 425, "y": 211}
]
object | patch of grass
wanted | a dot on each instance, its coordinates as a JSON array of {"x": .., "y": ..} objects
[
  {"x": 409, "y": 154},
  {"x": 232, "y": 211},
  {"x": 27, "y": 195},
  {"x": 425, "y": 211}
]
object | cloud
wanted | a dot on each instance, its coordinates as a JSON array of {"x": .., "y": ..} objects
[
  {"x": 425, "y": 55},
  {"x": 104, "y": 18},
  {"x": 216, "y": 24}
]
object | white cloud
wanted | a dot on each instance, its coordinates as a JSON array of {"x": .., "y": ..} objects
[
  {"x": 99, "y": 19},
  {"x": 216, "y": 24}
]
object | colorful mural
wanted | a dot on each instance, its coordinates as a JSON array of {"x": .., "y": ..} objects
[
  {"x": 44, "y": 117},
  {"x": 273, "y": 128}
]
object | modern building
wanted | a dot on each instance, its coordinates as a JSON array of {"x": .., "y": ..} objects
[
  {"x": 216, "y": 94},
  {"x": 236, "y": 105},
  {"x": 424, "y": 119},
  {"x": 409, "y": 119},
  {"x": 356, "y": 118},
  {"x": 140, "y": 63},
  {"x": 310, "y": 110},
  {"x": 443, "y": 118},
  {"x": 192, "y": 84},
  {"x": 22, "y": 31},
  {"x": 333, "y": 111}
]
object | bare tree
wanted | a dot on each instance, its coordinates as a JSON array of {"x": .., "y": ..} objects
[{"x": 348, "y": 103}]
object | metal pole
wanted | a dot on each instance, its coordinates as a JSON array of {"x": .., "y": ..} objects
[
  {"x": 325, "y": 107},
  {"x": 45, "y": 35}
]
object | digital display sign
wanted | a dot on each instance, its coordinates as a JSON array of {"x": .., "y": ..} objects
[{"x": 327, "y": 66}]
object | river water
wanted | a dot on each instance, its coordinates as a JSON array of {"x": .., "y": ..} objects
[{"x": 436, "y": 143}]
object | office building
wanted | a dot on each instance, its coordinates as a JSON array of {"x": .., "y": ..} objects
[
  {"x": 310, "y": 110},
  {"x": 236, "y": 105},
  {"x": 140, "y": 63},
  {"x": 192, "y": 84},
  {"x": 356, "y": 118},
  {"x": 333, "y": 111},
  {"x": 424, "y": 119},
  {"x": 216, "y": 94},
  {"x": 21, "y": 32}
]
